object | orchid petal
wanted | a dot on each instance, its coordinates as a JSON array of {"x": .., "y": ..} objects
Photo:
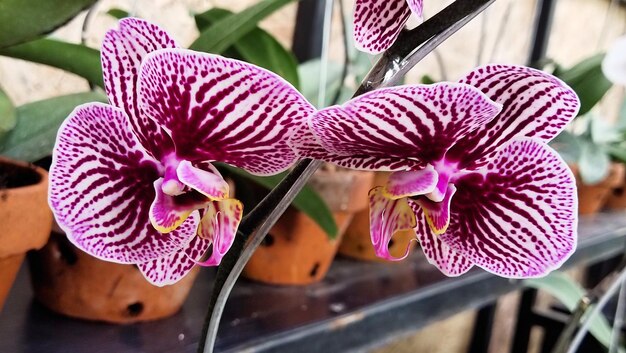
[
  {"x": 417, "y": 7},
  {"x": 122, "y": 53},
  {"x": 614, "y": 63},
  {"x": 219, "y": 227},
  {"x": 101, "y": 188},
  {"x": 172, "y": 268},
  {"x": 168, "y": 212},
  {"x": 388, "y": 216},
  {"x": 409, "y": 125},
  {"x": 437, "y": 252},
  {"x": 536, "y": 105},
  {"x": 221, "y": 109},
  {"x": 518, "y": 216},
  {"x": 437, "y": 214},
  {"x": 411, "y": 183},
  {"x": 378, "y": 23},
  {"x": 209, "y": 183}
]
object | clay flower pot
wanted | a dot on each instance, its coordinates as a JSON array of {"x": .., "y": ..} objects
[
  {"x": 591, "y": 198},
  {"x": 25, "y": 217},
  {"x": 617, "y": 197},
  {"x": 297, "y": 251},
  {"x": 357, "y": 243},
  {"x": 73, "y": 283}
]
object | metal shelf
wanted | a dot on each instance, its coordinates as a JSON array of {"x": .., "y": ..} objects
[{"x": 358, "y": 305}]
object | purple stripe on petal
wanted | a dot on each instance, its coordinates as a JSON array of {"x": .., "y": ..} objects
[
  {"x": 517, "y": 217},
  {"x": 388, "y": 216},
  {"x": 437, "y": 214},
  {"x": 377, "y": 23},
  {"x": 123, "y": 50},
  {"x": 209, "y": 183},
  {"x": 415, "y": 123},
  {"x": 535, "y": 105},
  {"x": 172, "y": 268},
  {"x": 101, "y": 188},
  {"x": 220, "y": 109},
  {"x": 219, "y": 226},
  {"x": 306, "y": 145},
  {"x": 437, "y": 252},
  {"x": 411, "y": 183}
]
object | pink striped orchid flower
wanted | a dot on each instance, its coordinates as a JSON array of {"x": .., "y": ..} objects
[
  {"x": 472, "y": 172},
  {"x": 377, "y": 23},
  {"x": 133, "y": 182}
]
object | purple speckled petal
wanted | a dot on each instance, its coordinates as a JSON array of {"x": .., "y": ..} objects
[
  {"x": 517, "y": 217},
  {"x": 123, "y": 50},
  {"x": 417, "y": 7},
  {"x": 209, "y": 183},
  {"x": 172, "y": 268},
  {"x": 377, "y": 23},
  {"x": 535, "y": 105},
  {"x": 388, "y": 216},
  {"x": 219, "y": 227},
  {"x": 101, "y": 188},
  {"x": 437, "y": 252},
  {"x": 411, "y": 183},
  {"x": 437, "y": 214},
  {"x": 220, "y": 109},
  {"x": 306, "y": 145},
  {"x": 414, "y": 125}
]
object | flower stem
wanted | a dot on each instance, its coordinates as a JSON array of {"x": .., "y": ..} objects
[{"x": 411, "y": 47}]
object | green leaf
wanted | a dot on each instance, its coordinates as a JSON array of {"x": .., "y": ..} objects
[
  {"x": 75, "y": 58},
  {"x": 588, "y": 81},
  {"x": 568, "y": 146},
  {"x": 594, "y": 163},
  {"x": 217, "y": 38},
  {"x": 37, "y": 123},
  {"x": 568, "y": 292},
  {"x": 7, "y": 116},
  {"x": 310, "y": 80},
  {"x": 307, "y": 201},
  {"x": 256, "y": 47},
  {"x": 427, "y": 80},
  {"x": 24, "y": 20},
  {"x": 117, "y": 13}
]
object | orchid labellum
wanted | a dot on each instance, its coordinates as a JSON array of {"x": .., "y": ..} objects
[
  {"x": 133, "y": 182},
  {"x": 472, "y": 172},
  {"x": 377, "y": 23}
]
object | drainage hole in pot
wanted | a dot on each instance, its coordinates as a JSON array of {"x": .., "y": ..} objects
[
  {"x": 268, "y": 240},
  {"x": 134, "y": 309},
  {"x": 67, "y": 252},
  {"x": 314, "y": 270},
  {"x": 618, "y": 192}
]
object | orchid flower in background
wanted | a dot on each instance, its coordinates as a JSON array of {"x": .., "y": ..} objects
[
  {"x": 377, "y": 23},
  {"x": 614, "y": 63},
  {"x": 472, "y": 172},
  {"x": 133, "y": 182}
]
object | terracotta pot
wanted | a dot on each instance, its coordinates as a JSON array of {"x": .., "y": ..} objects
[
  {"x": 297, "y": 251},
  {"x": 357, "y": 243},
  {"x": 24, "y": 214},
  {"x": 617, "y": 197},
  {"x": 591, "y": 198},
  {"x": 73, "y": 283}
]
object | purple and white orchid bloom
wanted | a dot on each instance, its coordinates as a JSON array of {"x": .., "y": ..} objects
[
  {"x": 377, "y": 23},
  {"x": 133, "y": 182},
  {"x": 472, "y": 172}
]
